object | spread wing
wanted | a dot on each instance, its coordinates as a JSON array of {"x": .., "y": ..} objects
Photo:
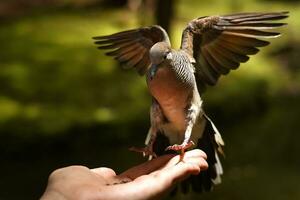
[
  {"x": 219, "y": 44},
  {"x": 131, "y": 48}
]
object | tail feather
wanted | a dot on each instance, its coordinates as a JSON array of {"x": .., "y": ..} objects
[{"x": 211, "y": 143}]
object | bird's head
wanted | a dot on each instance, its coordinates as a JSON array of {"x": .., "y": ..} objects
[{"x": 160, "y": 52}]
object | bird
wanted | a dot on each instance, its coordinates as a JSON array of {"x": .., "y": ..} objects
[{"x": 211, "y": 46}]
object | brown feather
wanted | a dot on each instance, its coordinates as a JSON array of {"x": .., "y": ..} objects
[
  {"x": 272, "y": 16},
  {"x": 244, "y": 41},
  {"x": 124, "y": 50},
  {"x": 247, "y": 25},
  {"x": 251, "y": 33},
  {"x": 213, "y": 63},
  {"x": 240, "y": 49},
  {"x": 131, "y": 46},
  {"x": 125, "y": 57},
  {"x": 210, "y": 75},
  {"x": 228, "y": 53},
  {"x": 221, "y": 58},
  {"x": 134, "y": 60},
  {"x": 142, "y": 66},
  {"x": 118, "y": 35}
]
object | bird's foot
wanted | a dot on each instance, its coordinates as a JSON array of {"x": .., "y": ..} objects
[
  {"x": 180, "y": 147},
  {"x": 146, "y": 151}
]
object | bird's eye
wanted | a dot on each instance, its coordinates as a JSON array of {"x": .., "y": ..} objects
[{"x": 166, "y": 55}]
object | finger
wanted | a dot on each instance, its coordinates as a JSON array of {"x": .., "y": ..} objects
[
  {"x": 195, "y": 153},
  {"x": 162, "y": 162},
  {"x": 192, "y": 163},
  {"x": 105, "y": 172},
  {"x": 172, "y": 175},
  {"x": 154, "y": 185},
  {"x": 179, "y": 172},
  {"x": 201, "y": 162},
  {"x": 146, "y": 167},
  {"x": 160, "y": 181}
]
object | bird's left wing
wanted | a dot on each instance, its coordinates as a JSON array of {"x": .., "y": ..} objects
[
  {"x": 218, "y": 44},
  {"x": 131, "y": 48}
]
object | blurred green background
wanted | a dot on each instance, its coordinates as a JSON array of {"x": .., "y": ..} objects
[{"x": 62, "y": 102}]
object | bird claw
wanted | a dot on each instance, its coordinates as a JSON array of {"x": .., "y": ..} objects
[
  {"x": 146, "y": 151},
  {"x": 182, "y": 147}
]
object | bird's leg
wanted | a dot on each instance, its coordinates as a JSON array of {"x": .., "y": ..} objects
[
  {"x": 192, "y": 114},
  {"x": 187, "y": 143},
  {"x": 156, "y": 117},
  {"x": 148, "y": 149}
]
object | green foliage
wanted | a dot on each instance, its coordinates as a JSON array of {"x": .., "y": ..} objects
[
  {"x": 53, "y": 76},
  {"x": 63, "y": 102}
]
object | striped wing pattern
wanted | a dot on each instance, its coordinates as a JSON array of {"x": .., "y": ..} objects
[
  {"x": 131, "y": 48},
  {"x": 220, "y": 43}
]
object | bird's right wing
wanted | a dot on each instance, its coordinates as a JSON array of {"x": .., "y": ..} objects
[
  {"x": 131, "y": 47},
  {"x": 218, "y": 44}
]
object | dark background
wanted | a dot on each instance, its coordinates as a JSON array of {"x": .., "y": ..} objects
[{"x": 62, "y": 102}]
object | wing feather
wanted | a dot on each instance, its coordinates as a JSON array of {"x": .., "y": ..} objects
[
  {"x": 244, "y": 41},
  {"x": 222, "y": 58},
  {"x": 214, "y": 64},
  {"x": 238, "y": 48},
  {"x": 219, "y": 44},
  {"x": 251, "y": 33},
  {"x": 145, "y": 61},
  {"x": 132, "y": 47},
  {"x": 123, "y": 50}
]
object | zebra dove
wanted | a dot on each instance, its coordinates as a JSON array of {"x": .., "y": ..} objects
[{"x": 210, "y": 47}]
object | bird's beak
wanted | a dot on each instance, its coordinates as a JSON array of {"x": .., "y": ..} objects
[{"x": 153, "y": 70}]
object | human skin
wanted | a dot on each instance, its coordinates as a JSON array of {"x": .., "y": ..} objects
[{"x": 150, "y": 180}]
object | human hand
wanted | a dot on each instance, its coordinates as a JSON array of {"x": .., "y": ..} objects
[{"x": 150, "y": 180}]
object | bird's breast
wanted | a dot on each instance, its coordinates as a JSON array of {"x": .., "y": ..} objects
[{"x": 171, "y": 93}]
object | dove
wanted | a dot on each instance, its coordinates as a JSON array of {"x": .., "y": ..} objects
[{"x": 211, "y": 46}]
